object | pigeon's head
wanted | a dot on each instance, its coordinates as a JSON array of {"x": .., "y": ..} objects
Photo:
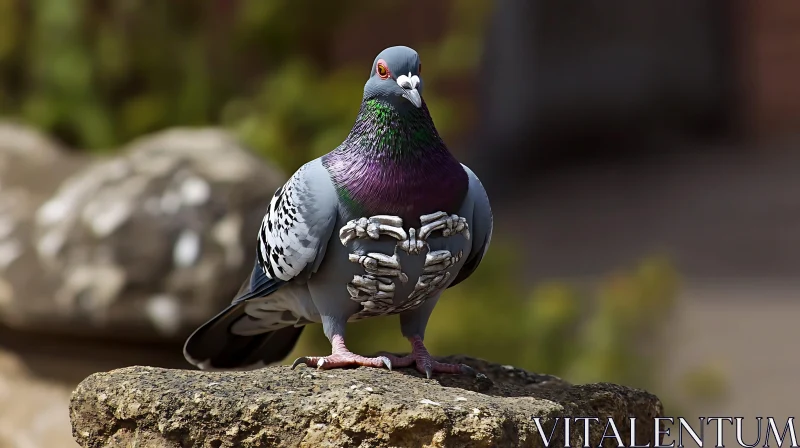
[{"x": 396, "y": 76}]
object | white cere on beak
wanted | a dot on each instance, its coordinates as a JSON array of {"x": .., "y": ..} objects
[
  {"x": 409, "y": 85},
  {"x": 408, "y": 82}
]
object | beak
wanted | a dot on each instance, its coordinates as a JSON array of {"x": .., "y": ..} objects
[
  {"x": 409, "y": 85},
  {"x": 413, "y": 96}
]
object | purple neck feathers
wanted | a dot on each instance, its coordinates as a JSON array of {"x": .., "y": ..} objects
[{"x": 395, "y": 163}]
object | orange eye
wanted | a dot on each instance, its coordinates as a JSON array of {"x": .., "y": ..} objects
[{"x": 382, "y": 70}]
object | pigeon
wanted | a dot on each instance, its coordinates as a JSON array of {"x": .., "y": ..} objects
[{"x": 381, "y": 225}]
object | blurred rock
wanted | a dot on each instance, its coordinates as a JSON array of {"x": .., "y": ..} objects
[
  {"x": 144, "y": 245},
  {"x": 31, "y": 168},
  {"x": 277, "y": 406}
]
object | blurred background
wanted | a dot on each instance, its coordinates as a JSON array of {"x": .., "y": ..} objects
[{"x": 639, "y": 161}]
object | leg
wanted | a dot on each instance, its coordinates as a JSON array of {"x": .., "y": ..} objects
[
  {"x": 340, "y": 356},
  {"x": 412, "y": 324}
]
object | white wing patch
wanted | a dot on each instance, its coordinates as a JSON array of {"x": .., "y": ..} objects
[{"x": 289, "y": 236}]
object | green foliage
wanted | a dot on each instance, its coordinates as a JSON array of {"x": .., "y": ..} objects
[
  {"x": 628, "y": 319},
  {"x": 98, "y": 74},
  {"x": 296, "y": 115},
  {"x": 705, "y": 384}
]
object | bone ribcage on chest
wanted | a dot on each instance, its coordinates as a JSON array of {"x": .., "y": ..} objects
[{"x": 375, "y": 289}]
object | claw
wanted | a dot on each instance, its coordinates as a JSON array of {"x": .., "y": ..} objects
[
  {"x": 387, "y": 362},
  {"x": 298, "y": 361},
  {"x": 428, "y": 371}
]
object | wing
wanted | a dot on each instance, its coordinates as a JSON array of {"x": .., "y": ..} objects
[
  {"x": 295, "y": 231},
  {"x": 482, "y": 225},
  {"x": 291, "y": 245}
]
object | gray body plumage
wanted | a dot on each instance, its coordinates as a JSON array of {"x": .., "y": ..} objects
[
  {"x": 305, "y": 274},
  {"x": 318, "y": 260}
]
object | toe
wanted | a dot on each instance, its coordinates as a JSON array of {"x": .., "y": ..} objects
[
  {"x": 398, "y": 361},
  {"x": 432, "y": 367},
  {"x": 467, "y": 370},
  {"x": 339, "y": 360}
]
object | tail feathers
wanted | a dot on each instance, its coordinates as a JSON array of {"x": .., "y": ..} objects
[{"x": 214, "y": 347}]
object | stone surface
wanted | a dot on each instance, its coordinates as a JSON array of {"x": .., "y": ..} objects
[
  {"x": 276, "y": 406},
  {"x": 145, "y": 244}
]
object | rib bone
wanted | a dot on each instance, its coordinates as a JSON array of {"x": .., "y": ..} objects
[
  {"x": 449, "y": 225},
  {"x": 373, "y": 228},
  {"x": 440, "y": 260},
  {"x": 380, "y": 265}
]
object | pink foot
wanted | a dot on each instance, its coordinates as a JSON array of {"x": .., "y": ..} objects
[
  {"x": 425, "y": 363},
  {"x": 341, "y": 357}
]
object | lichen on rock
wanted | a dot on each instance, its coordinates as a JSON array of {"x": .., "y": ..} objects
[{"x": 277, "y": 406}]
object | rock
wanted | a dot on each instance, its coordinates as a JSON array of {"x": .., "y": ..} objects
[
  {"x": 277, "y": 406},
  {"x": 17, "y": 139},
  {"x": 31, "y": 168},
  {"x": 147, "y": 244}
]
